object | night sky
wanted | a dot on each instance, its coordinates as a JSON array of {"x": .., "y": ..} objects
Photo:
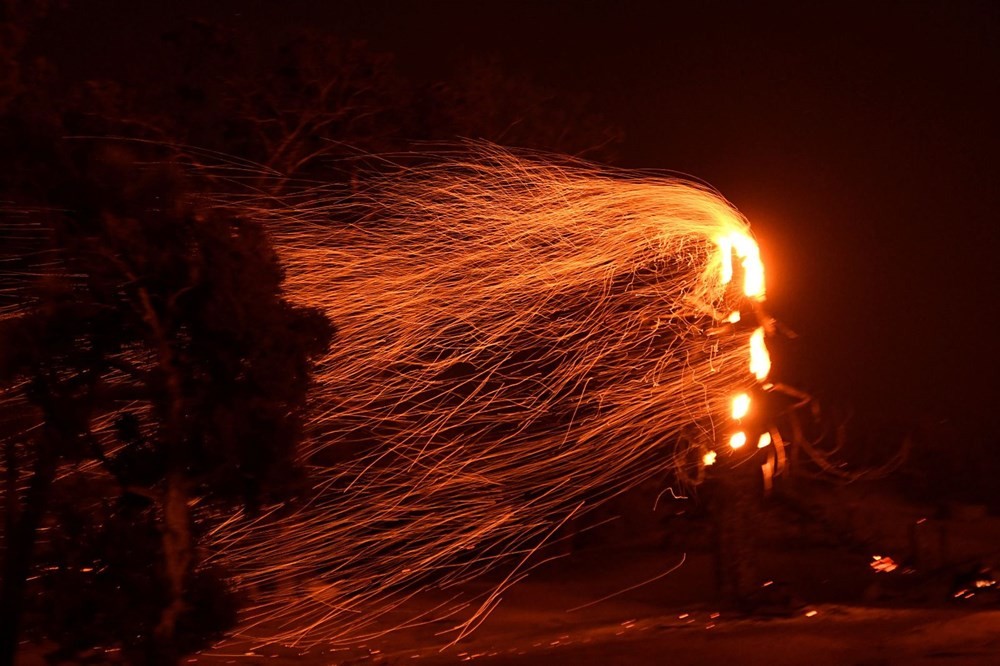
[{"x": 861, "y": 141}]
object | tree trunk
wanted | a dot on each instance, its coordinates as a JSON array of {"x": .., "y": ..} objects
[
  {"x": 20, "y": 544},
  {"x": 177, "y": 537},
  {"x": 11, "y": 508},
  {"x": 178, "y": 556}
]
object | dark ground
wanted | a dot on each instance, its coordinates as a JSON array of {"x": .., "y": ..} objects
[{"x": 830, "y": 606}]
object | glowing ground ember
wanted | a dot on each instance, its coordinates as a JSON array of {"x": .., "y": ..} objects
[
  {"x": 883, "y": 564},
  {"x": 520, "y": 338}
]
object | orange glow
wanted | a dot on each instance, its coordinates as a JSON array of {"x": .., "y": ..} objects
[
  {"x": 741, "y": 406},
  {"x": 764, "y": 440},
  {"x": 738, "y": 440},
  {"x": 760, "y": 359},
  {"x": 709, "y": 458},
  {"x": 734, "y": 318}
]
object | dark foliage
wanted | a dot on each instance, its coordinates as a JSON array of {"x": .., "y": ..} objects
[
  {"x": 131, "y": 305},
  {"x": 101, "y": 582}
]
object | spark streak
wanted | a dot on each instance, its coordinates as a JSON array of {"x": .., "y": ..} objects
[{"x": 519, "y": 336}]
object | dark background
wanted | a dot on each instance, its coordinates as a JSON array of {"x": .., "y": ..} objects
[{"x": 860, "y": 140}]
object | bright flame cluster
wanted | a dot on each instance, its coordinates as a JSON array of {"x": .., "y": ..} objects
[
  {"x": 743, "y": 246},
  {"x": 520, "y": 338}
]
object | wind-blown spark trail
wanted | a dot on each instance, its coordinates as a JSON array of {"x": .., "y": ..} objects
[{"x": 520, "y": 338}]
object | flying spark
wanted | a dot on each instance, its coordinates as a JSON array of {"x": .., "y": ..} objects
[{"x": 521, "y": 337}]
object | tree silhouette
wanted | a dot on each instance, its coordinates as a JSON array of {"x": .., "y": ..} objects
[{"x": 155, "y": 340}]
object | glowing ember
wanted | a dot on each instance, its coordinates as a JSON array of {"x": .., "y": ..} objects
[
  {"x": 738, "y": 440},
  {"x": 741, "y": 406},
  {"x": 883, "y": 564},
  {"x": 764, "y": 440},
  {"x": 709, "y": 458}
]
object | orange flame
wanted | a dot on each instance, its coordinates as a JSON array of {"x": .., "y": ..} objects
[
  {"x": 738, "y": 440},
  {"x": 726, "y": 249},
  {"x": 741, "y": 406},
  {"x": 760, "y": 359},
  {"x": 764, "y": 440},
  {"x": 745, "y": 248}
]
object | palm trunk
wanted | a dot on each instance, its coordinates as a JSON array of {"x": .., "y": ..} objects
[{"x": 737, "y": 512}]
